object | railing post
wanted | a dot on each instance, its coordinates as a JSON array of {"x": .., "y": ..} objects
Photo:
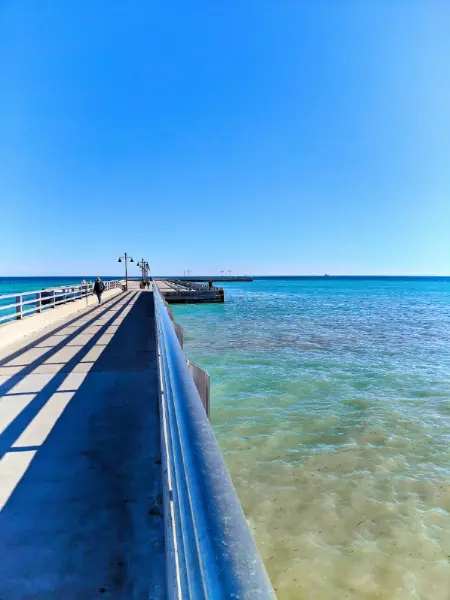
[
  {"x": 38, "y": 302},
  {"x": 53, "y": 298},
  {"x": 179, "y": 332},
  {"x": 202, "y": 383},
  {"x": 19, "y": 300}
]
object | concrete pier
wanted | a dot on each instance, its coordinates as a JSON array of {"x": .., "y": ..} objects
[
  {"x": 80, "y": 464},
  {"x": 185, "y": 292},
  {"x": 111, "y": 481},
  {"x": 208, "y": 278},
  {"x": 15, "y": 331}
]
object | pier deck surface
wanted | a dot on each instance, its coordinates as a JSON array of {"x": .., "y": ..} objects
[
  {"x": 182, "y": 292},
  {"x": 80, "y": 469}
]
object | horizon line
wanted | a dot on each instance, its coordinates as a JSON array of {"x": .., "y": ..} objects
[{"x": 326, "y": 275}]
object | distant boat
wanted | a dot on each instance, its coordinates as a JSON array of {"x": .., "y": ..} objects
[{"x": 326, "y": 275}]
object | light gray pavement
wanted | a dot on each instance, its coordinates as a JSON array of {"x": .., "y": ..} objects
[
  {"x": 186, "y": 292},
  {"x": 80, "y": 469},
  {"x": 164, "y": 286}
]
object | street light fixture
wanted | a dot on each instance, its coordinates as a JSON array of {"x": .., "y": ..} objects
[
  {"x": 145, "y": 267},
  {"x": 125, "y": 258}
]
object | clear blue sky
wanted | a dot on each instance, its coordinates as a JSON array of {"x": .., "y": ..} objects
[{"x": 264, "y": 136}]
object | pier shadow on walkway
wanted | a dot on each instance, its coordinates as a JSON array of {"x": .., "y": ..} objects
[{"x": 80, "y": 469}]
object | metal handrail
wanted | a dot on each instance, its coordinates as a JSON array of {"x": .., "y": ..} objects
[
  {"x": 47, "y": 298},
  {"x": 210, "y": 551}
]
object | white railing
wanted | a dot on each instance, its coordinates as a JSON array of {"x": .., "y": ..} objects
[{"x": 28, "y": 303}]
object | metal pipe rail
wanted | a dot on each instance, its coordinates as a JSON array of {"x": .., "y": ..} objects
[
  {"x": 211, "y": 554},
  {"x": 38, "y": 300}
]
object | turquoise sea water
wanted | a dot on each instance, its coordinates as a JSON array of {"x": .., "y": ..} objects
[{"x": 331, "y": 404}]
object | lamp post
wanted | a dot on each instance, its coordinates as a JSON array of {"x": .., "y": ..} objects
[
  {"x": 222, "y": 271},
  {"x": 229, "y": 272},
  {"x": 125, "y": 258},
  {"x": 145, "y": 267}
]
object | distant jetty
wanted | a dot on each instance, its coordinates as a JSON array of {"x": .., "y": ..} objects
[{"x": 208, "y": 278}]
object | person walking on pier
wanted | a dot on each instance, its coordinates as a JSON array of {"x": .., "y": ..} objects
[{"x": 99, "y": 287}]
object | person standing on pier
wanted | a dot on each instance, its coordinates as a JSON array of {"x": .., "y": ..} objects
[{"x": 99, "y": 287}]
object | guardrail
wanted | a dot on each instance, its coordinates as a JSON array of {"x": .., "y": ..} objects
[
  {"x": 210, "y": 551},
  {"x": 28, "y": 303}
]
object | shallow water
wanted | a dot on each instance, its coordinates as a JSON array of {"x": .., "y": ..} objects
[{"x": 331, "y": 404}]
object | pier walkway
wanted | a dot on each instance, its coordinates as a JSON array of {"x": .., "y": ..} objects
[
  {"x": 111, "y": 482},
  {"x": 81, "y": 510}
]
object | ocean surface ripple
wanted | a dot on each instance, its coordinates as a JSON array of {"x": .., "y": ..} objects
[{"x": 331, "y": 404}]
